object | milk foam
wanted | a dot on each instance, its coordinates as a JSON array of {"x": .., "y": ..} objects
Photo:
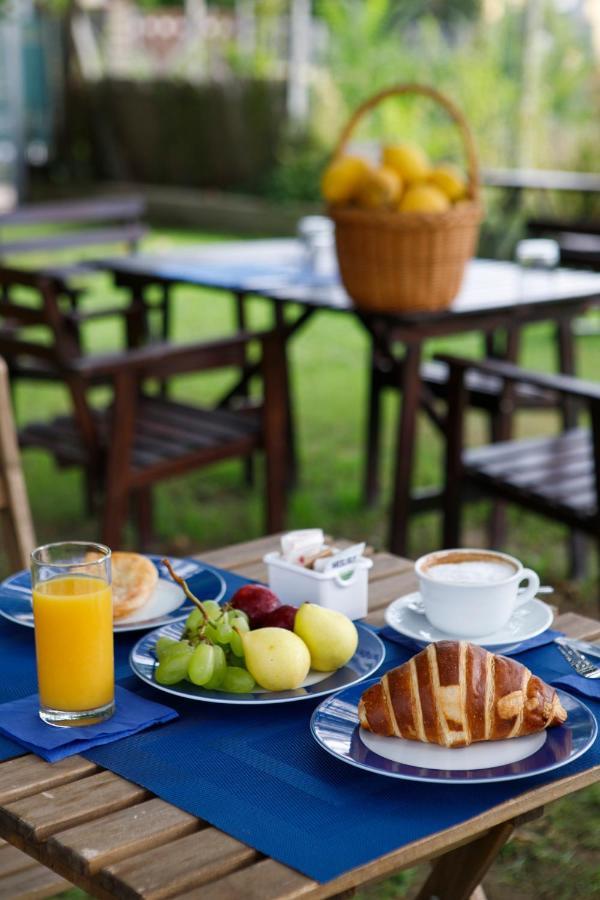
[{"x": 471, "y": 571}]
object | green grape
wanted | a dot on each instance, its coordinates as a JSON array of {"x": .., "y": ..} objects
[
  {"x": 211, "y": 633},
  {"x": 162, "y": 645},
  {"x": 237, "y": 681},
  {"x": 238, "y": 614},
  {"x": 194, "y": 620},
  {"x": 240, "y": 625},
  {"x": 202, "y": 664},
  {"x": 234, "y": 660},
  {"x": 212, "y": 609},
  {"x": 220, "y": 667},
  {"x": 224, "y": 631},
  {"x": 236, "y": 644},
  {"x": 173, "y": 664}
]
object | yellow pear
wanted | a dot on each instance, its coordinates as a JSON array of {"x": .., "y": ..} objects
[
  {"x": 330, "y": 636},
  {"x": 449, "y": 180},
  {"x": 379, "y": 188},
  {"x": 423, "y": 198},
  {"x": 408, "y": 160},
  {"x": 342, "y": 178},
  {"x": 276, "y": 658}
]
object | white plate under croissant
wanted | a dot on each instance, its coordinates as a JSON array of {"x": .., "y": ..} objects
[{"x": 455, "y": 713}]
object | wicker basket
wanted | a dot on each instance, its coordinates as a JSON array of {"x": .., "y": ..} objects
[{"x": 394, "y": 262}]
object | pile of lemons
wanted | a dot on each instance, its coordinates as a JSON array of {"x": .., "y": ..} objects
[{"x": 404, "y": 181}]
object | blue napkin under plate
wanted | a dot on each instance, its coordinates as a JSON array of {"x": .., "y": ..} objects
[
  {"x": 20, "y": 721},
  {"x": 587, "y": 687},
  {"x": 540, "y": 640}
]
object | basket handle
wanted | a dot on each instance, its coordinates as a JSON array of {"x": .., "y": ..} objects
[{"x": 453, "y": 111}]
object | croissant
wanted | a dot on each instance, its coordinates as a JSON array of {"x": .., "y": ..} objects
[{"x": 454, "y": 693}]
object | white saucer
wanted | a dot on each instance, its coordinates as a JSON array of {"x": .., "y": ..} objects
[{"x": 404, "y": 616}]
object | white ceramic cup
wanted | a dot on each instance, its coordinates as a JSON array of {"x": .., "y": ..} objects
[{"x": 480, "y": 600}]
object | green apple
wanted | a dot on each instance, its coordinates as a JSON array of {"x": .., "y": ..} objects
[
  {"x": 276, "y": 658},
  {"x": 330, "y": 636}
]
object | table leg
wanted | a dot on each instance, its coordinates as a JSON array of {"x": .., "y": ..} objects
[
  {"x": 501, "y": 430},
  {"x": 372, "y": 461},
  {"x": 292, "y": 460},
  {"x": 456, "y": 875},
  {"x": 410, "y": 386},
  {"x": 578, "y": 555},
  {"x": 242, "y": 324}
]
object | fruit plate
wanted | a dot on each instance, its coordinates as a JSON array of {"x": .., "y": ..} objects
[
  {"x": 334, "y": 725},
  {"x": 167, "y": 603},
  {"x": 369, "y": 655}
]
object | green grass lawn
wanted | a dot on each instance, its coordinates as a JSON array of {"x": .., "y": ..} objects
[{"x": 329, "y": 362}]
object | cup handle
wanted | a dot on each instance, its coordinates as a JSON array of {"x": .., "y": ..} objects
[{"x": 530, "y": 589}]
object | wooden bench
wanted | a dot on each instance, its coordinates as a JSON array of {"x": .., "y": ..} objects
[
  {"x": 557, "y": 476},
  {"x": 90, "y": 222}
]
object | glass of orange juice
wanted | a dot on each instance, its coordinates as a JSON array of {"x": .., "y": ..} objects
[{"x": 73, "y": 615}]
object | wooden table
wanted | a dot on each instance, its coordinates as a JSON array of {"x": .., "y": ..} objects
[
  {"x": 115, "y": 839},
  {"x": 496, "y": 299}
]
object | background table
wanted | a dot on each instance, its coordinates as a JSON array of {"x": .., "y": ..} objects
[
  {"x": 496, "y": 299},
  {"x": 115, "y": 839}
]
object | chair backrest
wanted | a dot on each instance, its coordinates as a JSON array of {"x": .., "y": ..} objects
[
  {"x": 93, "y": 222},
  {"x": 14, "y": 505},
  {"x": 39, "y": 301}
]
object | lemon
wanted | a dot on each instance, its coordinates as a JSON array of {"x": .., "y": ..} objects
[
  {"x": 423, "y": 198},
  {"x": 342, "y": 178},
  {"x": 449, "y": 180},
  {"x": 379, "y": 188},
  {"x": 408, "y": 160}
]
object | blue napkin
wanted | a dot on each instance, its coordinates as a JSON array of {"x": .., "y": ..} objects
[
  {"x": 546, "y": 637},
  {"x": 19, "y": 721},
  {"x": 587, "y": 687}
]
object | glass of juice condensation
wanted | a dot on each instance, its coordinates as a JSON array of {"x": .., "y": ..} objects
[{"x": 73, "y": 615}]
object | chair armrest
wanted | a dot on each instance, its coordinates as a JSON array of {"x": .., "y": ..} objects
[
  {"x": 168, "y": 359},
  {"x": 562, "y": 384}
]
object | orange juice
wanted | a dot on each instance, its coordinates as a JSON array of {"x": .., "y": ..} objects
[{"x": 74, "y": 642}]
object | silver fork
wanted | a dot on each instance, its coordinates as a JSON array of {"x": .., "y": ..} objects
[{"x": 578, "y": 661}]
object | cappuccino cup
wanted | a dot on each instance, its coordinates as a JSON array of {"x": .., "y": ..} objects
[{"x": 473, "y": 593}]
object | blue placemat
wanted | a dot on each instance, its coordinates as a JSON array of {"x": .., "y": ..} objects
[
  {"x": 17, "y": 661},
  {"x": 258, "y": 775}
]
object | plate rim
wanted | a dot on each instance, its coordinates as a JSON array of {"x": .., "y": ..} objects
[
  {"x": 486, "y": 643},
  {"x": 230, "y": 699},
  {"x": 461, "y": 781},
  {"x": 141, "y": 625}
]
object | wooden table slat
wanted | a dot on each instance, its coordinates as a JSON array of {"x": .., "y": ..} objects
[
  {"x": 265, "y": 880},
  {"x": 188, "y": 862},
  {"x": 576, "y": 626},
  {"x": 386, "y": 565},
  {"x": 41, "y": 815},
  {"x": 30, "y": 775},
  {"x": 32, "y": 882},
  {"x": 12, "y": 860},
  {"x": 239, "y": 554},
  {"x": 93, "y": 845}
]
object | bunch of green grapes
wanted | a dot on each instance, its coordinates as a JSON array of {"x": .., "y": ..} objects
[{"x": 210, "y": 652}]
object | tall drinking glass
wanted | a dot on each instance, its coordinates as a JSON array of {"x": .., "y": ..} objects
[{"x": 72, "y": 610}]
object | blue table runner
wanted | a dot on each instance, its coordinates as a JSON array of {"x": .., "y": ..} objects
[{"x": 257, "y": 774}]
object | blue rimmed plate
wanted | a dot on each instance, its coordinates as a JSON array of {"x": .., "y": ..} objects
[
  {"x": 168, "y": 603},
  {"x": 369, "y": 655},
  {"x": 334, "y": 725}
]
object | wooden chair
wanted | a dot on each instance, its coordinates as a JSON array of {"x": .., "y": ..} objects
[
  {"x": 140, "y": 438},
  {"x": 484, "y": 392},
  {"x": 91, "y": 225},
  {"x": 558, "y": 477},
  {"x": 19, "y": 538}
]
